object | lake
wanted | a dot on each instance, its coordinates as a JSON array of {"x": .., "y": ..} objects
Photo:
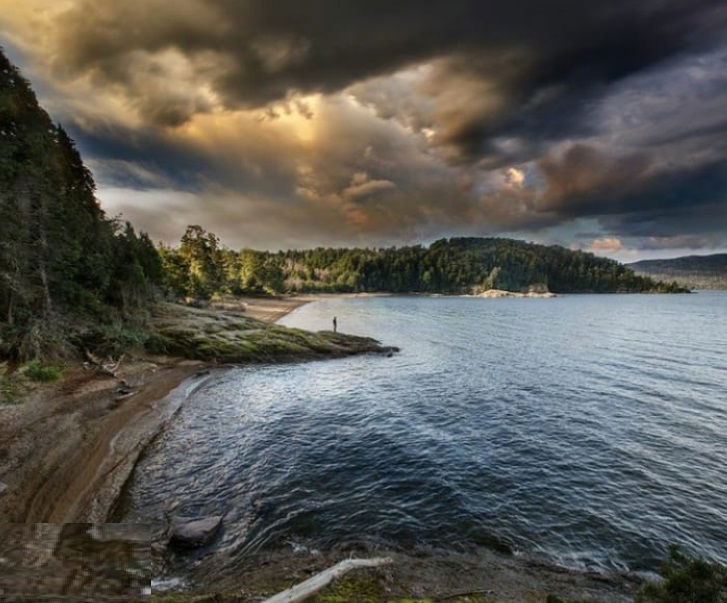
[{"x": 589, "y": 429}]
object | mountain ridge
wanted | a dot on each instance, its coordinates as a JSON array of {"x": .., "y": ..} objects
[{"x": 693, "y": 271}]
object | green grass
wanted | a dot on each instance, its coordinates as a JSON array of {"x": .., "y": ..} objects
[
  {"x": 371, "y": 589},
  {"x": 9, "y": 391},
  {"x": 42, "y": 373},
  {"x": 117, "y": 338}
]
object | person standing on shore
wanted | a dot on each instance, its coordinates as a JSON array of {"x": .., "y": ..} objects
[{"x": 335, "y": 325}]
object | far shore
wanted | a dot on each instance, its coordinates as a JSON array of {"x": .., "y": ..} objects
[{"x": 274, "y": 308}]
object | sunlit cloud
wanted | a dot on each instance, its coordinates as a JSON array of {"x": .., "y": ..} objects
[{"x": 279, "y": 123}]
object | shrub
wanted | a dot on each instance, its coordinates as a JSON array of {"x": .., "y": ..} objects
[
  {"x": 9, "y": 391},
  {"x": 43, "y": 373},
  {"x": 687, "y": 580},
  {"x": 114, "y": 339}
]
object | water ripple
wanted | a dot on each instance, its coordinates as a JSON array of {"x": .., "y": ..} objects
[{"x": 587, "y": 428}]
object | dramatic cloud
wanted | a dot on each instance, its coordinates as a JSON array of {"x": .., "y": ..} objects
[{"x": 363, "y": 122}]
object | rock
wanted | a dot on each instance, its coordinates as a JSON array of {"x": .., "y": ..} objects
[
  {"x": 495, "y": 293},
  {"x": 3, "y": 487},
  {"x": 188, "y": 532},
  {"x": 202, "y": 373}
]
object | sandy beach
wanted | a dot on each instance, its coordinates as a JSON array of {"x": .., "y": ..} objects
[{"x": 272, "y": 309}]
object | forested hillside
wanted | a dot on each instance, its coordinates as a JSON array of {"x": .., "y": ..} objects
[
  {"x": 201, "y": 268},
  {"x": 62, "y": 262},
  {"x": 693, "y": 271}
]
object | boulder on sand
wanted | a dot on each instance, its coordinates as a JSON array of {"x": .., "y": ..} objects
[{"x": 191, "y": 532}]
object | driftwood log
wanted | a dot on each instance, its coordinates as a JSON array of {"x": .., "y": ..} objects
[
  {"x": 302, "y": 591},
  {"x": 110, "y": 367}
]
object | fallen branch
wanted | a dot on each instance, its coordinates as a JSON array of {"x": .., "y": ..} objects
[
  {"x": 108, "y": 368},
  {"x": 302, "y": 591}
]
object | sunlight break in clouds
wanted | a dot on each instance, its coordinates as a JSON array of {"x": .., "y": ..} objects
[{"x": 280, "y": 123}]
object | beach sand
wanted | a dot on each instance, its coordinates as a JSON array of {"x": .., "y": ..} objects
[{"x": 272, "y": 309}]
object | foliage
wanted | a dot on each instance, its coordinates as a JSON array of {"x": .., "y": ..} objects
[
  {"x": 687, "y": 580},
  {"x": 42, "y": 373},
  {"x": 61, "y": 260},
  {"x": 10, "y": 390},
  {"x": 112, "y": 340},
  {"x": 200, "y": 268}
]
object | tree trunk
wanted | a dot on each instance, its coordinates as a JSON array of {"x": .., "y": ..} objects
[
  {"x": 43, "y": 255},
  {"x": 9, "y": 315}
]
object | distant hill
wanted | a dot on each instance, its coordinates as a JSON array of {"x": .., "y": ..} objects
[
  {"x": 692, "y": 271},
  {"x": 200, "y": 268}
]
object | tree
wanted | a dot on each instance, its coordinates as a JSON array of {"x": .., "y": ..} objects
[
  {"x": 61, "y": 260},
  {"x": 201, "y": 252}
]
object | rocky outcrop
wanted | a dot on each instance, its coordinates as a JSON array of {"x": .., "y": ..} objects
[
  {"x": 224, "y": 336},
  {"x": 502, "y": 293}
]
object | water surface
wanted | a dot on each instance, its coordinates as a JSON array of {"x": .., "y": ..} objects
[{"x": 590, "y": 429}]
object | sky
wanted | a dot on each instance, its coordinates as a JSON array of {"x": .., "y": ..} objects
[{"x": 599, "y": 125}]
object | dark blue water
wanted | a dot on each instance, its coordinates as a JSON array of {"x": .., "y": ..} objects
[{"x": 591, "y": 429}]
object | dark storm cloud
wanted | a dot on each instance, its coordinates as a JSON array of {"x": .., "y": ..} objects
[
  {"x": 634, "y": 197},
  {"x": 545, "y": 60},
  {"x": 586, "y": 182},
  {"x": 148, "y": 158},
  {"x": 446, "y": 116}
]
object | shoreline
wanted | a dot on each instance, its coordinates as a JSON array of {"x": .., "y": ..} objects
[
  {"x": 66, "y": 440},
  {"x": 483, "y": 575},
  {"x": 273, "y": 309},
  {"x": 80, "y": 441},
  {"x": 68, "y": 449}
]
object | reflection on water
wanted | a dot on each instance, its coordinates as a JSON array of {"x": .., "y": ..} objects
[
  {"x": 50, "y": 561},
  {"x": 589, "y": 428}
]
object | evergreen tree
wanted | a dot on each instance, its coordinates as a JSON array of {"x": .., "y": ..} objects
[{"x": 61, "y": 261}]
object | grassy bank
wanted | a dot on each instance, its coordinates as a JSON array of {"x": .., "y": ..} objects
[{"x": 233, "y": 337}]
